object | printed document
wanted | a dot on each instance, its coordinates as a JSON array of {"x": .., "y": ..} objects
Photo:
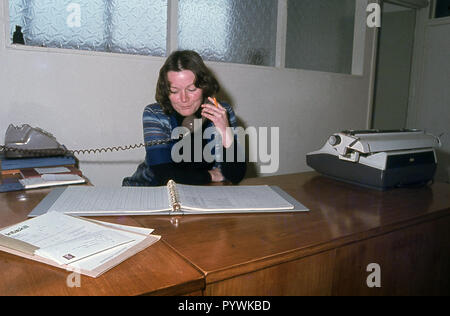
[
  {"x": 227, "y": 198},
  {"x": 98, "y": 200},
  {"x": 74, "y": 242},
  {"x": 94, "y": 201}
]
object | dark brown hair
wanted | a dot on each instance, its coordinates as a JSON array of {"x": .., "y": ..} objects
[{"x": 184, "y": 60}]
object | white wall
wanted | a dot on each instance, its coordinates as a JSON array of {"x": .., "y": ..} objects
[{"x": 91, "y": 99}]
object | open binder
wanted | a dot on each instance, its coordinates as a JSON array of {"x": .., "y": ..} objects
[
  {"x": 167, "y": 200},
  {"x": 75, "y": 244}
]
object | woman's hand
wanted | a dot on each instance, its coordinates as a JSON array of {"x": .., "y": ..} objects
[
  {"x": 218, "y": 115},
  {"x": 216, "y": 175}
]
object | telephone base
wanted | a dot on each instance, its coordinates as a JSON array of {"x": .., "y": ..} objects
[{"x": 12, "y": 153}]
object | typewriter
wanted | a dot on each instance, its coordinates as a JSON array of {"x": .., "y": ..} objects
[{"x": 379, "y": 159}]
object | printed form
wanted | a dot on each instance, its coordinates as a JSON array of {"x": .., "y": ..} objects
[
  {"x": 108, "y": 200},
  {"x": 67, "y": 240},
  {"x": 225, "y": 198}
]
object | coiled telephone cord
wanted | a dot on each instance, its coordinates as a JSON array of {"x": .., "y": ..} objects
[{"x": 64, "y": 151}]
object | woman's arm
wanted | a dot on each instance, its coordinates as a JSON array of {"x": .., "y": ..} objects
[{"x": 224, "y": 119}]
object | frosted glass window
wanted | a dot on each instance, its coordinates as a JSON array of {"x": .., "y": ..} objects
[
  {"x": 237, "y": 31},
  {"x": 320, "y": 35},
  {"x": 139, "y": 26},
  {"x": 125, "y": 26}
]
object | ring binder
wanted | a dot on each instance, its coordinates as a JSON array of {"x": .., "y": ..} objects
[
  {"x": 170, "y": 199},
  {"x": 174, "y": 198}
]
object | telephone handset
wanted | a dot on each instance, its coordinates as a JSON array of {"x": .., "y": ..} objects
[{"x": 189, "y": 121}]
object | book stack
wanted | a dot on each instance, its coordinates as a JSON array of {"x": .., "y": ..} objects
[{"x": 38, "y": 172}]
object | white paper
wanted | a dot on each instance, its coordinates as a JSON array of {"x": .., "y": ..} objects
[
  {"x": 133, "y": 229},
  {"x": 58, "y": 235},
  {"x": 84, "y": 246},
  {"x": 90, "y": 263},
  {"x": 228, "y": 198},
  {"x": 146, "y": 200},
  {"x": 51, "y": 180},
  {"x": 52, "y": 170},
  {"x": 60, "y": 177},
  {"x": 110, "y": 200}
]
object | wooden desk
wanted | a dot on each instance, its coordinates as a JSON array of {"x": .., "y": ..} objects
[
  {"x": 157, "y": 270},
  {"x": 325, "y": 251}
]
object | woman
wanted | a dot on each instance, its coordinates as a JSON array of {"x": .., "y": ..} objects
[{"x": 186, "y": 88}]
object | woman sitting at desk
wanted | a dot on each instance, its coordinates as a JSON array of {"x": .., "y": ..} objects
[{"x": 186, "y": 89}]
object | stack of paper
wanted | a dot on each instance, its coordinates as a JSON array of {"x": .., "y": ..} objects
[
  {"x": 85, "y": 246},
  {"x": 48, "y": 180},
  {"x": 45, "y": 177},
  {"x": 38, "y": 172}
]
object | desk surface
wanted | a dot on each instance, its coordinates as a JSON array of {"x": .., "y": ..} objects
[
  {"x": 201, "y": 250},
  {"x": 225, "y": 246},
  {"x": 157, "y": 270}
]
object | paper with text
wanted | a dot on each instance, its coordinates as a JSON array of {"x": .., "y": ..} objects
[
  {"x": 66, "y": 239},
  {"x": 230, "y": 198},
  {"x": 84, "y": 246},
  {"x": 52, "y": 170},
  {"x": 76, "y": 244},
  {"x": 51, "y": 180},
  {"x": 79, "y": 200},
  {"x": 98, "y": 201}
]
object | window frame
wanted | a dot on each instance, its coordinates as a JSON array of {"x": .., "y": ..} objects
[{"x": 359, "y": 34}]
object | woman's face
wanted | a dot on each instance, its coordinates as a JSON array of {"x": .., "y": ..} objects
[{"x": 185, "y": 97}]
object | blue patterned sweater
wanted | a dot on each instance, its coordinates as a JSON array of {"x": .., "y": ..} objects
[{"x": 159, "y": 166}]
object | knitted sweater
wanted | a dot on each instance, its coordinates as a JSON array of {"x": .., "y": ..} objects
[{"x": 159, "y": 165}]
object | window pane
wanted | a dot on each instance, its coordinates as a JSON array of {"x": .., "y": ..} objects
[
  {"x": 133, "y": 26},
  {"x": 60, "y": 24},
  {"x": 16, "y": 16},
  {"x": 238, "y": 31},
  {"x": 139, "y": 27},
  {"x": 320, "y": 35}
]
